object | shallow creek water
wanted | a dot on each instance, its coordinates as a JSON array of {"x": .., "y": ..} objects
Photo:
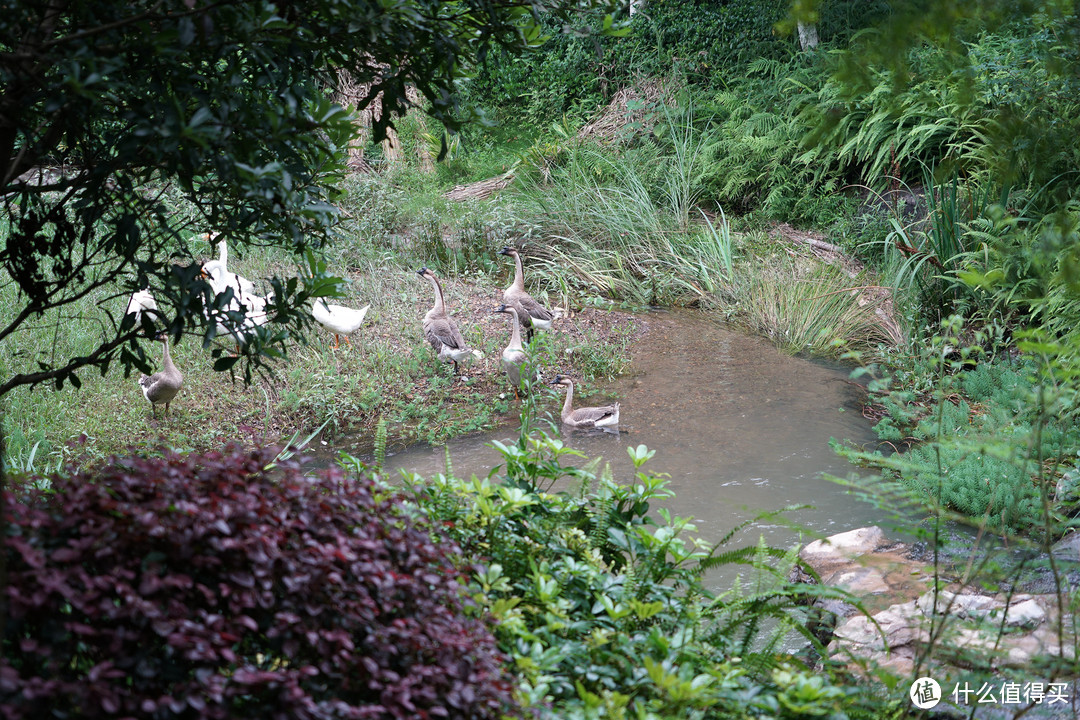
[{"x": 738, "y": 426}]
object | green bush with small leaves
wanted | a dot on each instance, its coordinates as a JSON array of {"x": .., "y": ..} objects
[{"x": 600, "y": 601}]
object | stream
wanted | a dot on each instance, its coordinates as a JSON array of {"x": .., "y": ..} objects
[{"x": 740, "y": 428}]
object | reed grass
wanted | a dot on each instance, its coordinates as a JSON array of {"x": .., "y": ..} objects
[
  {"x": 814, "y": 310},
  {"x": 607, "y": 226}
]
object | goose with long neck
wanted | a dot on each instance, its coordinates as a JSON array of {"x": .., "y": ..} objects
[
  {"x": 218, "y": 270},
  {"x": 605, "y": 417},
  {"x": 441, "y": 331},
  {"x": 531, "y": 314},
  {"x": 161, "y": 387},
  {"x": 515, "y": 360}
]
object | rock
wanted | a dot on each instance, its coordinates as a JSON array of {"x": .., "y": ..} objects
[
  {"x": 1068, "y": 547},
  {"x": 959, "y": 605},
  {"x": 860, "y": 581},
  {"x": 1027, "y": 614},
  {"x": 843, "y": 546}
]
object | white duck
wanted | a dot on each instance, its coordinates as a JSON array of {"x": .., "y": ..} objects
[{"x": 339, "y": 319}]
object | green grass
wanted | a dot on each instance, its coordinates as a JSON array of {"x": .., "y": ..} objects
[
  {"x": 610, "y": 229},
  {"x": 389, "y": 372}
]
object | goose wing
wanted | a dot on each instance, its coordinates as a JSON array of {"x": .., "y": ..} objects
[
  {"x": 533, "y": 309},
  {"x": 443, "y": 332},
  {"x": 160, "y": 387},
  {"x": 594, "y": 415}
]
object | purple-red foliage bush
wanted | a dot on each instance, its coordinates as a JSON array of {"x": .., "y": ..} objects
[{"x": 204, "y": 586}]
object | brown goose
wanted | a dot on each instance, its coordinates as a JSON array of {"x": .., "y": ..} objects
[
  {"x": 161, "y": 387},
  {"x": 441, "y": 331},
  {"x": 532, "y": 314},
  {"x": 586, "y": 417}
]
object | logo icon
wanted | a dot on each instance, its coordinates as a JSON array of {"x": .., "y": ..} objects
[{"x": 925, "y": 693}]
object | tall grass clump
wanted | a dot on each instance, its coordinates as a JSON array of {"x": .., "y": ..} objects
[
  {"x": 816, "y": 309},
  {"x": 624, "y": 225}
]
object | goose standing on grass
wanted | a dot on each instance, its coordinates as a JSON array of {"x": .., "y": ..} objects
[
  {"x": 531, "y": 314},
  {"x": 515, "y": 360},
  {"x": 252, "y": 306},
  {"x": 606, "y": 417},
  {"x": 219, "y": 269},
  {"x": 162, "y": 386},
  {"x": 441, "y": 331},
  {"x": 339, "y": 319},
  {"x": 141, "y": 301}
]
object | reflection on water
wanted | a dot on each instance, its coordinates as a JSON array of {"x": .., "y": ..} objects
[{"x": 738, "y": 426}]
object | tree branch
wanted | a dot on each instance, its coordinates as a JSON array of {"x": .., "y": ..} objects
[{"x": 93, "y": 358}]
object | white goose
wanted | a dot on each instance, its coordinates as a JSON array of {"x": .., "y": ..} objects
[
  {"x": 252, "y": 306},
  {"x": 339, "y": 320},
  {"x": 141, "y": 301},
  {"x": 219, "y": 269}
]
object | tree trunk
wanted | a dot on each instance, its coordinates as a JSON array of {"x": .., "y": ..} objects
[
  {"x": 808, "y": 37},
  {"x": 423, "y": 149}
]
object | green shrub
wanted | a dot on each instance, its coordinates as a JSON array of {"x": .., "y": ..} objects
[{"x": 600, "y": 601}]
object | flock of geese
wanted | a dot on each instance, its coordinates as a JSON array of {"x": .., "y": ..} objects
[{"x": 440, "y": 330}]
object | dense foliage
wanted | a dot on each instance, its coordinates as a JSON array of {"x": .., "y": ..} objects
[
  {"x": 229, "y": 585},
  {"x": 603, "y": 605}
]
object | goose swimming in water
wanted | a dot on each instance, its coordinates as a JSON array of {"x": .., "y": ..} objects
[{"x": 605, "y": 417}]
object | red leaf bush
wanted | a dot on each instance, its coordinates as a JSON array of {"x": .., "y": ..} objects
[{"x": 195, "y": 586}]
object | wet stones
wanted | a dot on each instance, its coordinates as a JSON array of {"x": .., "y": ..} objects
[{"x": 968, "y": 630}]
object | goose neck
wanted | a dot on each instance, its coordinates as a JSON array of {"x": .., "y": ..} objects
[
  {"x": 519, "y": 274},
  {"x": 515, "y": 331},
  {"x": 440, "y": 306},
  {"x": 568, "y": 403},
  {"x": 166, "y": 359}
]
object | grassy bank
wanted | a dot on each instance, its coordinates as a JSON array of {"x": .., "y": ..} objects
[
  {"x": 605, "y": 228},
  {"x": 389, "y": 372}
]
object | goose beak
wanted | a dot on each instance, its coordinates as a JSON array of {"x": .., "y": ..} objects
[
  {"x": 505, "y": 250},
  {"x": 422, "y": 271}
]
